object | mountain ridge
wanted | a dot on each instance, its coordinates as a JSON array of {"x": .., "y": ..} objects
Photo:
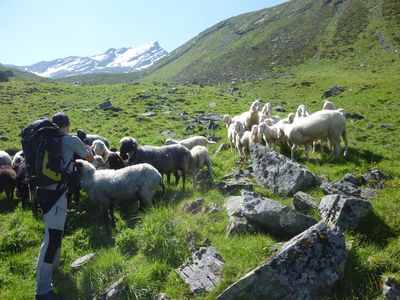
[{"x": 120, "y": 60}]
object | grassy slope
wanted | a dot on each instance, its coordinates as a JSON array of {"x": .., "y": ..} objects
[
  {"x": 19, "y": 75},
  {"x": 150, "y": 246}
]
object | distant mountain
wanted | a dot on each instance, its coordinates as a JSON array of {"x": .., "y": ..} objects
[
  {"x": 10, "y": 74},
  {"x": 123, "y": 60}
]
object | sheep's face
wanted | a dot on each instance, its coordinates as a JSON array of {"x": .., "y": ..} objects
[
  {"x": 128, "y": 145},
  {"x": 170, "y": 142},
  {"x": 84, "y": 167}
]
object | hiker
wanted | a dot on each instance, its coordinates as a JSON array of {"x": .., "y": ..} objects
[{"x": 53, "y": 202}]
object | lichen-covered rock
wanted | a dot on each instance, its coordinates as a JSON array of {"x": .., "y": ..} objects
[
  {"x": 279, "y": 173},
  {"x": 304, "y": 203},
  {"x": 203, "y": 271},
  {"x": 306, "y": 267},
  {"x": 274, "y": 217},
  {"x": 343, "y": 211}
]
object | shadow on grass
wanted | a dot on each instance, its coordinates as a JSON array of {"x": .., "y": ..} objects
[
  {"x": 359, "y": 282},
  {"x": 374, "y": 230},
  {"x": 66, "y": 285}
]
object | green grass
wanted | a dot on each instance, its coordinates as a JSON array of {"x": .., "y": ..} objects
[{"x": 146, "y": 248}]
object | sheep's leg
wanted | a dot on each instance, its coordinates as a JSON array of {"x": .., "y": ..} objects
[
  {"x": 183, "y": 180},
  {"x": 292, "y": 149},
  {"x": 346, "y": 146},
  {"x": 176, "y": 174},
  {"x": 111, "y": 213},
  {"x": 307, "y": 146},
  {"x": 105, "y": 217},
  {"x": 194, "y": 180},
  {"x": 168, "y": 178},
  {"x": 209, "y": 167}
]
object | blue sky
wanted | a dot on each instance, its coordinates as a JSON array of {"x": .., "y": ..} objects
[{"x": 36, "y": 30}]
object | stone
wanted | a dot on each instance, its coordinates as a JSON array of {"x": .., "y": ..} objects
[
  {"x": 304, "y": 203},
  {"x": 203, "y": 271},
  {"x": 162, "y": 296},
  {"x": 279, "y": 173},
  {"x": 114, "y": 291},
  {"x": 240, "y": 225},
  {"x": 343, "y": 211},
  {"x": 213, "y": 104},
  {"x": 104, "y": 105},
  {"x": 336, "y": 90},
  {"x": 194, "y": 207},
  {"x": 230, "y": 186},
  {"x": 148, "y": 114},
  {"x": 340, "y": 187},
  {"x": 306, "y": 267},
  {"x": 391, "y": 289},
  {"x": 82, "y": 261},
  {"x": 368, "y": 193},
  {"x": 375, "y": 178},
  {"x": 273, "y": 217},
  {"x": 349, "y": 177},
  {"x": 234, "y": 205}
]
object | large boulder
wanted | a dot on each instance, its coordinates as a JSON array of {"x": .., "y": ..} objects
[
  {"x": 279, "y": 173},
  {"x": 306, "y": 267},
  {"x": 304, "y": 203},
  {"x": 274, "y": 217},
  {"x": 343, "y": 211},
  {"x": 203, "y": 271}
]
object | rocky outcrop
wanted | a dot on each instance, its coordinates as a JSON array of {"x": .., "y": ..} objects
[
  {"x": 306, "y": 267},
  {"x": 343, "y": 211},
  {"x": 278, "y": 173}
]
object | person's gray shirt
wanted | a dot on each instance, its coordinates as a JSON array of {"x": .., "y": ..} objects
[{"x": 69, "y": 145}]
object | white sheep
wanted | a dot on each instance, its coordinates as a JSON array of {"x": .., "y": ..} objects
[
  {"x": 302, "y": 112},
  {"x": 328, "y": 105},
  {"x": 5, "y": 158},
  {"x": 242, "y": 139},
  {"x": 324, "y": 124},
  {"x": 99, "y": 162},
  {"x": 200, "y": 158},
  {"x": 190, "y": 142},
  {"x": 100, "y": 148},
  {"x": 270, "y": 135},
  {"x": 17, "y": 158},
  {"x": 231, "y": 129},
  {"x": 106, "y": 186},
  {"x": 250, "y": 117}
]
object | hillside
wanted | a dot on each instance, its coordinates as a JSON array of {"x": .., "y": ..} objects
[
  {"x": 267, "y": 43},
  {"x": 147, "y": 247},
  {"x": 10, "y": 74}
]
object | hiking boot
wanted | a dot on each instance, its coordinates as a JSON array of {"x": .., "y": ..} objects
[{"x": 49, "y": 296}]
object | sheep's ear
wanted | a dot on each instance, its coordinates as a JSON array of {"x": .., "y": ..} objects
[{"x": 78, "y": 164}]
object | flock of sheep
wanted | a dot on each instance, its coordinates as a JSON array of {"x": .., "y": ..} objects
[
  {"x": 133, "y": 172},
  {"x": 136, "y": 171},
  {"x": 301, "y": 128}
]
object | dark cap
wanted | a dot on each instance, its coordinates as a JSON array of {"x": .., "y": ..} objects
[{"x": 60, "y": 119}]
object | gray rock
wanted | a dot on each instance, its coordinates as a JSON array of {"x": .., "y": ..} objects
[
  {"x": 203, "y": 271},
  {"x": 375, "y": 178},
  {"x": 306, "y": 267},
  {"x": 349, "y": 177},
  {"x": 343, "y": 211},
  {"x": 391, "y": 289},
  {"x": 274, "y": 217},
  {"x": 240, "y": 225},
  {"x": 278, "y": 173},
  {"x": 82, "y": 261},
  {"x": 104, "y": 105},
  {"x": 114, "y": 291},
  {"x": 336, "y": 90},
  {"x": 213, "y": 104},
  {"x": 234, "y": 205},
  {"x": 341, "y": 187},
  {"x": 304, "y": 203},
  {"x": 148, "y": 114},
  {"x": 232, "y": 185},
  {"x": 163, "y": 296},
  {"x": 194, "y": 207},
  {"x": 368, "y": 193}
]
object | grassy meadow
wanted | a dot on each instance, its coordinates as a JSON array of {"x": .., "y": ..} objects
[{"x": 147, "y": 247}]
